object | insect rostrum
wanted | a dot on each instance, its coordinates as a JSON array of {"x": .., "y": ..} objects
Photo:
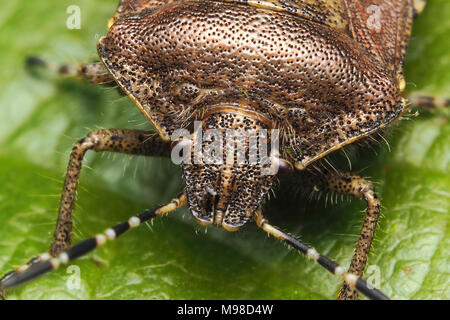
[{"x": 322, "y": 81}]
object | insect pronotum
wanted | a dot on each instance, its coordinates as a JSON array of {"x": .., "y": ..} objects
[{"x": 240, "y": 93}]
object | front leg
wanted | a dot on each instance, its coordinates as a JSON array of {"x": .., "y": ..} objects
[
  {"x": 352, "y": 184},
  {"x": 138, "y": 142},
  {"x": 94, "y": 72},
  {"x": 425, "y": 102}
]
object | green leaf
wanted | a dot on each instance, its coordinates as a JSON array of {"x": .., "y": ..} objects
[{"x": 42, "y": 115}]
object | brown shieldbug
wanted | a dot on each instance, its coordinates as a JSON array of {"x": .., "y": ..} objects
[{"x": 318, "y": 72}]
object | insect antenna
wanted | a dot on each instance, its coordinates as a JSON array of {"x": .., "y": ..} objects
[
  {"x": 46, "y": 263},
  {"x": 352, "y": 279}
]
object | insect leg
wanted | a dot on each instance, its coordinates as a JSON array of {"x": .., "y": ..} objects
[
  {"x": 427, "y": 102},
  {"x": 351, "y": 279},
  {"x": 138, "y": 142},
  {"x": 94, "y": 72},
  {"x": 48, "y": 263},
  {"x": 351, "y": 184}
]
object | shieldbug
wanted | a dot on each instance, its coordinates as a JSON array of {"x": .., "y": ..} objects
[{"x": 243, "y": 92}]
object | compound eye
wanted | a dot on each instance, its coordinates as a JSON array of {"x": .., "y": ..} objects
[{"x": 285, "y": 168}]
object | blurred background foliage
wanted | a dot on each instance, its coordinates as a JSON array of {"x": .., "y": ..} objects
[{"x": 43, "y": 115}]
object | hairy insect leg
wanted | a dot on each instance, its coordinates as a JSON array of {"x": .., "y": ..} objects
[
  {"x": 354, "y": 281},
  {"x": 48, "y": 263},
  {"x": 352, "y": 184},
  {"x": 137, "y": 142},
  {"x": 428, "y": 102},
  {"x": 94, "y": 72}
]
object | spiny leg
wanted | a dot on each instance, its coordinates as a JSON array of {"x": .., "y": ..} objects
[
  {"x": 94, "y": 72},
  {"x": 352, "y": 184},
  {"x": 137, "y": 142},
  {"x": 48, "y": 263},
  {"x": 427, "y": 102},
  {"x": 353, "y": 280}
]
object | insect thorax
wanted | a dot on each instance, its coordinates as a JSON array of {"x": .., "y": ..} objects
[{"x": 313, "y": 81}]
